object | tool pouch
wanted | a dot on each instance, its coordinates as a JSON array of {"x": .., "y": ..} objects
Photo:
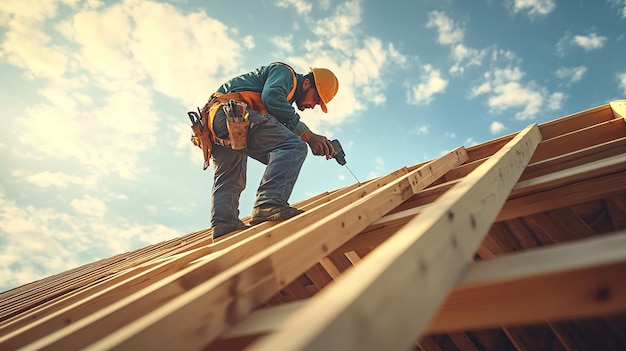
[
  {"x": 238, "y": 124},
  {"x": 238, "y": 133},
  {"x": 200, "y": 133}
]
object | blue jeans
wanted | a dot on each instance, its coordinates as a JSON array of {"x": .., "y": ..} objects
[{"x": 269, "y": 142}]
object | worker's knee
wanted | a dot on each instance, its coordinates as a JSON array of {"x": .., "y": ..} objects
[
  {"x": 298, "y": 150},
  {"x": 294, "y": 149}
]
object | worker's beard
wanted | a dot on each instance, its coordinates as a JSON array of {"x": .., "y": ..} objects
[{"x": 299, "y": 104}]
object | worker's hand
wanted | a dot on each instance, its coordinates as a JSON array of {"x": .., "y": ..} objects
[{"x": 320, "y": 146}]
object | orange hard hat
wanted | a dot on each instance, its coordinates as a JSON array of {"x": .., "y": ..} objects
[{"x": 326, "y": 85}]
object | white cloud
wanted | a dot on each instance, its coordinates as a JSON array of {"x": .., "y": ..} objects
[
  {"x": 151, "y": 42},
  {"x": 496, "y": 127},
  {"x": 622, "y": 82},
  {"x": 620, "y": 5},
  {"x": 103, "y": 141},
  {"x": 379, "y": 166},
  {"x": 421, "y": 130},
  {"x": 514, "y": 95},
  {"x": 171, "y": 49},
  {"x": 555, "y": 101},
  {"x": 248, "y": 42},
  {"x": 104, "y": 42},
  {"x": 100, "y": 70},
  {"x": 432, "y": 84},
  {"x": 358, "y": 61},
  {"x": 31, "y": 50},
  {"x": 51, "y": 242},
  {"x": 367, "y": 67},
  {"x": 57, "y": 179},
  {"x": 449, "y": 31},
  {"x": 99, "y": 86},
  {"x": 465, "y": 57},
  {"x": 506, "y": 91},
  {"x": 301, "y": 6},
  {"x": 534, "y": 7},
  {"x": 571, "y": 74},
  {"x": 27, "y": 11},
  {"x": 283, "y": 43},
  {"x": 396, "y": 57},
  {"x": 90, "y": 206},
  {"x": 339, "y": 30},
  {"x": 589, "y": 42}
]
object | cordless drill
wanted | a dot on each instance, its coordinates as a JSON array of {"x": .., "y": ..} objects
[{"x": 339, "y": 154}]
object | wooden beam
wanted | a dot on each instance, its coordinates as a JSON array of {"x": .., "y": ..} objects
[
  {"x": 559, "y": 225},
  {"x": 616, "y": 208},
  {"x": 580, "y": 139},
  {"x": 193, "y": 303},
  {"x": 549, "y": 130},
  {"x": 499, "y": 286},
  {"x": 523, "y": 234},
  {"x": 530, "y": 338},
  {"x": 565, "y": 193},
  {"x": 463, "y": 341},
  {"x": 533, "y": 196},
  {"x": 353, "y": 257},
  {"x": 330, "y": 267},
  {"x": 319, "y": 276},
  {"x": 487, "y": 149},
  {"x": 619, "y": 108},
  {"x": 500, "y": 235},
  {"x": 72, "y": 308},
  {"x": 419, "y": 264},
  {"x": 264, "y": 320},
  {"x": 557, "y": 163},
  {"x": 55, "y": 314},
  {"x": 570, "y": 186},
  {"x": 569, "y": 340},
  {"x": 576, "y": 121},
  {"x": 576, "y": 158},
  {"x": 580, "y": 279},
  {"x": 76, "y": 306},
  {"x": 589, "y": 170},
  {"x": 429, "y": 195},
  {"x": 429, "y": 343},
  {"x": 167, "y": 273}
]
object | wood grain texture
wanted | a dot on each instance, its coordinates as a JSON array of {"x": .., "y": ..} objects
[{"x": 427, "y": 256}]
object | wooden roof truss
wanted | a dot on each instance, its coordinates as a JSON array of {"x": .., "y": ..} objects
[{"x": 517, "y": 243}]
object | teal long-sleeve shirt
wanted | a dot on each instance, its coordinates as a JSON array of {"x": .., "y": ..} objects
[{"x": 274, "y": 82}]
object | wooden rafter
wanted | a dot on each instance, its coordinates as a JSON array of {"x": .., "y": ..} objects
[
  {"x": 579, "y": 279},
  {"x": 619, "y": 108},
  {"x": 204, "y": 308},
  {"x": 431, "y": 251},
  {"x": 515, "y": 243}
]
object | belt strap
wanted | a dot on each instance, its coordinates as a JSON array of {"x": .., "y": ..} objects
[{"x": 210, "y": 110}]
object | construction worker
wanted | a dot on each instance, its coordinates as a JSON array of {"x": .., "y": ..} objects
[{"x": 276, "y": 137}]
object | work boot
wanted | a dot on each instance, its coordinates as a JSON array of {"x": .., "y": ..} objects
[
  {"x": 271, "y": 212},
  {"x": 223, "y": 229}
]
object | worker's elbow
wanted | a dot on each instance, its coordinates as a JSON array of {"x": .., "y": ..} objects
[{"x": 302, "y": 149}]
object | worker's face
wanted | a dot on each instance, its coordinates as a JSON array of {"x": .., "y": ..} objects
[{"x": 309, "y": 98}]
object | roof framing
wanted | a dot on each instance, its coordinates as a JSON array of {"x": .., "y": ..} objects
[{"x": 512, "y": 243}]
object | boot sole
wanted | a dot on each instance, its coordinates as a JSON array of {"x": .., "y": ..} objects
[{"x": 279, "y": 216}]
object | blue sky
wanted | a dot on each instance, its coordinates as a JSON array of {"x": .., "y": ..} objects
[{"x": 94, "y": 137}]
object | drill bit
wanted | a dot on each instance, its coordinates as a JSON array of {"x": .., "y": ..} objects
[
  {"x": 340, "y": 156},
  {"x": 349, "y": 170}
]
